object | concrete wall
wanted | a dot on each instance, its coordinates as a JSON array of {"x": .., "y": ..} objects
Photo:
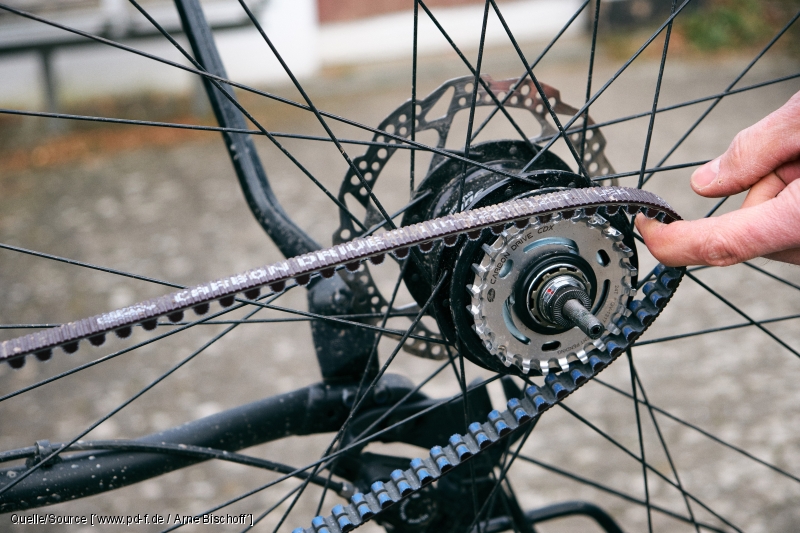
[{"x": 293, "y": 25}]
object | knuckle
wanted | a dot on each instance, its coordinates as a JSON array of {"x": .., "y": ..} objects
[{"x": 719, "y": 249}]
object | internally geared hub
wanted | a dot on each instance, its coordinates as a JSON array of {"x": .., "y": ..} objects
[{"x": 548, "y": 294}]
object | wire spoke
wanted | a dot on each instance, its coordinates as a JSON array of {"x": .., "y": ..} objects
[
  {"x": 666, "y": 168},
  {"x": 661, "y": 439},
  {"x": 589, "y": 77},
  {"x": 499, "y": 105},
  {"x": 607, "y": 84},
  {"x": 641, "y": 443},
  {"x": 83, "y": 264},
  {"x": 473, "y": 104},
  {"x": 198, "y": 127},
  {"x": 714, "y": 330},
  {"x": 771, "y": 275},
  {"x": 542, "y": 95},
  {"x": 649, "y": 137},
  {"x": 703, "y": 432},
  {"x": 742, "y": 313},
  {"x": 413, "y": 152},
  {"x": 524, "y": 75},
  {"x": 614, "y": 492},
  {"x": 729, "y": 87},
  {"x": 647, "y": 465},
  {"x": 167, "y": 448},
  {"x": 124, "y": 404}
]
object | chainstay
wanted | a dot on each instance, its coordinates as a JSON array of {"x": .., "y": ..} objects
[{"x": 325, "y": 262}]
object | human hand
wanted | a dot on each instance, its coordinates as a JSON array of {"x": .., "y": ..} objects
[{"x": 764, "y": 158}]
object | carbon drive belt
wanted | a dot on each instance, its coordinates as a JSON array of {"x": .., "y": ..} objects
[{"x": 324, "y": 262}]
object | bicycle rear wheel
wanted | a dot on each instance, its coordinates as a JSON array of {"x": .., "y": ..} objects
[{"x": 703, "y": 374}]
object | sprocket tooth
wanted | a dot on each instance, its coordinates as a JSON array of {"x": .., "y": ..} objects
[
  {"x": 596, "y": 221},
  {"x": 612, "y": 233},
  {"x": 479, "y": 270},
  {"x": 632, "y": 270},
  {"x": 474, "y": 290},
  {"x": 622, "y": 249},
  {"x": 544, "y": 367}
]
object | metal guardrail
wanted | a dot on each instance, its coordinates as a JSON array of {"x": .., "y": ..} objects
[{"x": 111, "y": 19}]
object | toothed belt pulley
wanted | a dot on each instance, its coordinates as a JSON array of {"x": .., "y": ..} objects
[{"x": 532, "y": 297}]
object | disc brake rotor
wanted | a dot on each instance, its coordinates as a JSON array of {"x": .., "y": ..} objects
[{"x": 456, "y": 94}]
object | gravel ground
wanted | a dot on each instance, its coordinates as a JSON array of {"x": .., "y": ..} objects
[{"x": 175, "y": 213}]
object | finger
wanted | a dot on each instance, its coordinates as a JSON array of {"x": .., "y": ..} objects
[
  {"x": 762, "y": 229},
  {"x": 788, "y": 172},
  {"x": 755, "y": 152},
  {"x": 766, "y": 189},
  {"x": 787, "y": 256}
]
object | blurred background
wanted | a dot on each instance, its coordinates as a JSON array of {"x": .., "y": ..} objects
[{"x": 165, "y": 203}]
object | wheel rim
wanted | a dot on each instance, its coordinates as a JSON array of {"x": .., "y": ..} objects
[{"x": 551, "y": 433}]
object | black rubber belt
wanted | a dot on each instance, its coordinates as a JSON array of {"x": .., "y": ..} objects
[{"x": 324, "y": 262}]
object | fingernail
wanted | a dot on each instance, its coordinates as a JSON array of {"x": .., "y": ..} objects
[{"x": 703, "y": 176}]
